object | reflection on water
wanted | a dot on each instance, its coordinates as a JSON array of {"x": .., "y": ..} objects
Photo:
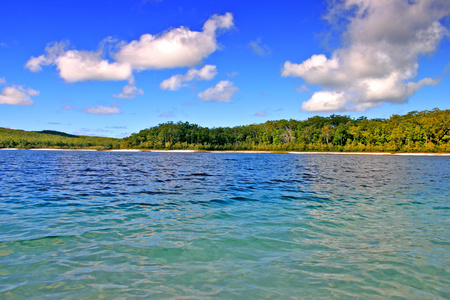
[{"x": 199, "y": 225}]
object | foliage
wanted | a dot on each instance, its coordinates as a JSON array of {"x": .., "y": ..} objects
[
  {"x": 11, "y": 138},
  {"x": 425, "y": 131}
]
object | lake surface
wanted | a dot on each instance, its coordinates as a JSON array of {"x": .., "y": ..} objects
[{"x": 214, "y": 225}]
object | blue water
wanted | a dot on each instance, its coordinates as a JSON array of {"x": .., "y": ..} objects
[{"x": 81, "y": 225}]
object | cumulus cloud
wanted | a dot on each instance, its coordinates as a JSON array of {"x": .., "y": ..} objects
[
  {"x": 383, "y": 42},
  {"x": 129, "y": 92},
  {"x": 222, "y": 92},
  {"x": 102, "y": 110},
  {"x": 52, "y": 51},
  {"x": 325, "y": 101},
  {"x": 179, "y": 47},
  {"x": 258, "y": 48},
  {"x": 177, "y": 81},
  {"x": 75, "y": 65},
  {"x": 16, "y": 94}
]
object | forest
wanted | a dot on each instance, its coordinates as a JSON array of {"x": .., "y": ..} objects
[
  {"x": 13, "y": 138},
  {"x": 424, "y": 131}
]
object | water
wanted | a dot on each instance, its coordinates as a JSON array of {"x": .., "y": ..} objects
[{"x": 79, "y": 225}]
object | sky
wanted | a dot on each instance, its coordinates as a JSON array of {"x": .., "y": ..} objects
[{"x": 113, "y": 68}]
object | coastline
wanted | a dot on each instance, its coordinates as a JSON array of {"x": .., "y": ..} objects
[{"x": 242, "y": 152}]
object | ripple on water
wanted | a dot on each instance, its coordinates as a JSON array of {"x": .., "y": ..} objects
[{"x": 174, "y": 225}]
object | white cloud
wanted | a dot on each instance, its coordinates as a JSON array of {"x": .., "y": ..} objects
[
  {"x": 316, "y": 70},
  {"x": 34, "y": 63},
  {"x": 68, "y": 107},
  {"x": 383, "y": 43},
  {"x": 74, "y": 65},
  {"x": 173, "y": 83},
  {"x": 179, "y": 47},
  {"x": 325, "y": 101},
  {"x": 222, "y": 92},
  {"x": 16, "y": 94},
  {"x": 52, "y": 51},
  {"x": 129, "y": 92},
  {"x": 259, "y": 48},
  {"x": 177, "y": 81},
  {"x": 102, "y": 110}
]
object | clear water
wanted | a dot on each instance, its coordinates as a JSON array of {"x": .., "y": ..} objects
[{"x": 78, "y": 225}]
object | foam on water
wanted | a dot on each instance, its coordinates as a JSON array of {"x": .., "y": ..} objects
[{"x": 204, "y": 225}]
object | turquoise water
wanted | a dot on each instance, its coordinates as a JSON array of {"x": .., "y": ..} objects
[{"x": 79, "y": 225}]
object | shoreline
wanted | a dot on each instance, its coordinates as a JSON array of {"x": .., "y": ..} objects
[{"x": 243, "y": 152}]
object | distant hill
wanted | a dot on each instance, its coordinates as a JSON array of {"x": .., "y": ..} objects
[
  {"x": 14, "y": 138},
  {"x": 53, "y": 132}
]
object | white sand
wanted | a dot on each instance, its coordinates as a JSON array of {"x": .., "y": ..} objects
[
  {"x": 175, "y": 151},
  {"x": 344, "y": 153},
  {"x": 243, "y": 151},
  {"x": 125, "y": 150},
  {"x": 422, "y": 154},
  {"x": 48, "y": 149}
]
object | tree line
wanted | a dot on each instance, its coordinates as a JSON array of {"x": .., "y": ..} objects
[
  {"x": 12, "y": 138},
  {"x": 424, "y": 131}
]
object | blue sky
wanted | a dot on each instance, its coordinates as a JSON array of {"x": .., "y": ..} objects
[{"x": 112, "y": 68}]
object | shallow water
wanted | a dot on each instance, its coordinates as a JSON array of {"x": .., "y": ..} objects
[{"x": 216, "y": 225}]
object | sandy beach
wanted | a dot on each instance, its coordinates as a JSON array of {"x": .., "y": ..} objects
[{"x": 243, "y": 152}]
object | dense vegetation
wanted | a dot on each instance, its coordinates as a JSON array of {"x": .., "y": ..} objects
[
  {"x": 11, "y": 138},
  {"x": 425, "y": 131}
]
